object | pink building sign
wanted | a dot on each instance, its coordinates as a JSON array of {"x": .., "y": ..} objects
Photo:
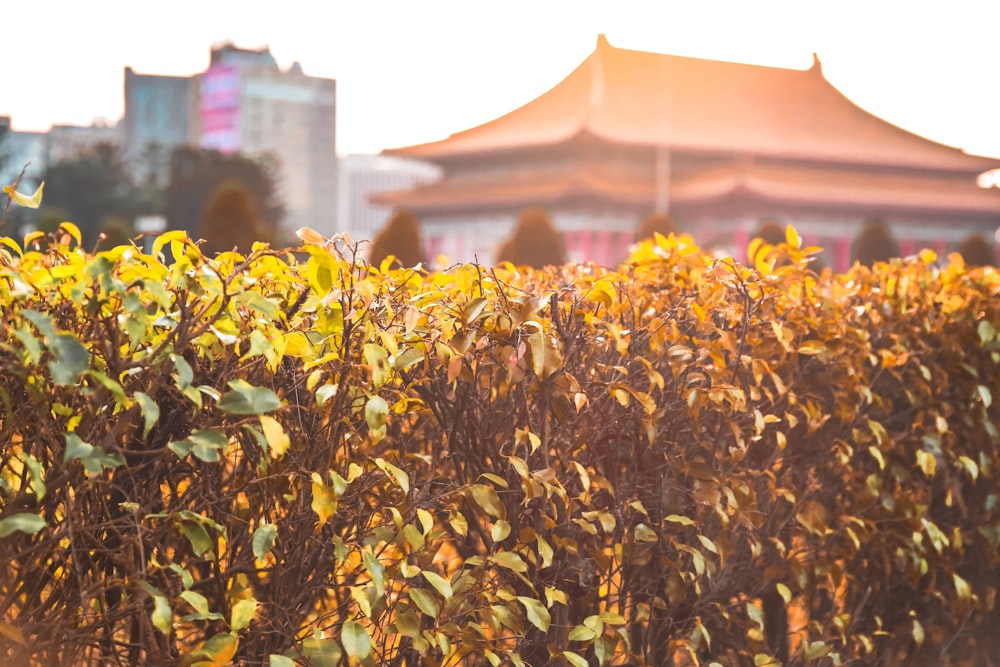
[{"x": 220, "y": 108}]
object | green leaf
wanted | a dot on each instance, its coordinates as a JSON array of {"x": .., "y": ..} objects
[
  {"x": 322, "y": 652},
  {"x": 581, "y": 633},
  {"x": 356, "y": 641},
  {"x": 206, "y": 444},
  {"x": 677, "y": 518},
  {"x": 510, "y": 560},
  {"x": 394, "y": 473},
  {"x": 162, "y": 616},
  {"x": 185, "y": 375},
  {"x": 644, "y": 533},
  {"x": 408, "y": 358},
  {"x": 200, "y": 605},
  {"x": 425, "y": 601},
  {"x": 70, "y": 361},
  {"x": 23, "y": 523},
  {"x": 275, "y": 660},
  {"x": 35, "y": 474},
  {"x": 34, "y": 201},
  {"x": 263, "y": 540},
  {"x": 92, "y": 458},
  {"x": 486, "y": 497},
  {"x": 260, "y": 303},
  {"x": 442, "y": 585},
  {"x": 244, "y": 611},
  {"x": 376, "y": 570},
  {"x": 574, "y": 659},
  {"x": 245, "y": 399},
  {"x": 537, "y": 613},
  {"x": 376, "y": 411},
  {"x": 150, "y": 411},
  {"x": 473, "y": 310},
  {"x": 197, "y": 536},
  {"x": 32, "y": 347},
  {"x": 985, "y": 394}
]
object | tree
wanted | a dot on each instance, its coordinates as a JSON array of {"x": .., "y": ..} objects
[
  {"x": 400, "y": 238},
  {"x": 230, "y": 220},
  {"x": 658, "y": 222},
  {"x": 88, "y": 189},
  {"x": 196, "y": 174},
  {"x": 116, "y": 231},
  {"x": 874, "y": 243},
  {"x": 535, "y": 242},
  {"x": 977, "y": 251}
]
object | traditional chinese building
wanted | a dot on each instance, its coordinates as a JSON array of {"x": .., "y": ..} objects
[{"x": 720, "y": 145}]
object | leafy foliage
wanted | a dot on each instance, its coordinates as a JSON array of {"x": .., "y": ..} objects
[
  {"x": 257, "y": 459},
  {"x": 535, "y": 242},
  {"x": 230, "y": 220},
  {"x": 400, "y": 238}
]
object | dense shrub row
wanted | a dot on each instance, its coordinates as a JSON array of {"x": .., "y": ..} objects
[{"x": 287, "y": 459}]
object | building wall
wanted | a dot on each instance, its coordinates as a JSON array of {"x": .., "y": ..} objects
[
  {"x": 66, "y": 142},
  {"x": 363, "y": 175},
  {"x": 258, "y": 109},
  {"x": 157, "y": 119}
]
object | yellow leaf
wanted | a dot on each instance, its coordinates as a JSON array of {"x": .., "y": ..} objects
[
  {"x": 34, "y": 201},
  {"x": 277, "y": 439}
]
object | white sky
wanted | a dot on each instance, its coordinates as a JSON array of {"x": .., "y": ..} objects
[{"x": 410, "y": 71}]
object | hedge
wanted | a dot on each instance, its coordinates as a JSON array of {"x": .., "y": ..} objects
[{"x": 286, "y": 458}]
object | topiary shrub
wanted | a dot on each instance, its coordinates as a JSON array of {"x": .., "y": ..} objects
[
  {"x": 535, "y": 242},
  {"x": 658, "y": 222},
  {"x": 114, "y": 231},
  {"x": 400, "y": 238},
  {"x": 977, "y": 251},
  {"x": 874, "y": 243},
  {"x": 771, "y": 232},
  {"x": 230, "y": 220}
]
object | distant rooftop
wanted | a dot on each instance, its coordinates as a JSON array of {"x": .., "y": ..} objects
[{"x": 230, "y": 54}]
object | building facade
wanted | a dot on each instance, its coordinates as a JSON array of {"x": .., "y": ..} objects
[
  {"x": 719, "y": 145},
  {"x": 362, "y": 176},
  {"x": 245, "y": 103},
  {"x": 158, "y": 118}
]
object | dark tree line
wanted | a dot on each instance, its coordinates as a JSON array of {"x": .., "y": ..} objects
[{"x": 100, "y": 193}]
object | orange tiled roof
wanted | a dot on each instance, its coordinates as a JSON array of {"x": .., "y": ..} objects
[
  {"x": 793, "y": 185},
  {"x": 642, "y": 98}
]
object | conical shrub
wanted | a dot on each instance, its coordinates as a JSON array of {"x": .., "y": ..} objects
[
  {"x": 977, "y": 251},
  {"x": 116, "y": 230},
  {"x": 658, "y": 222},
  {"x": 770, "y": 231},
  {"x": 535, "y": 242},
  {"x": 874, "y": 243},
  {"x": 230, "y": 220},
  {"x": 400, "y": 238}
]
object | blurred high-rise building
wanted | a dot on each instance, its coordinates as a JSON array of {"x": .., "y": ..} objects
[
  {"x": 66, "y": 142},
  {"x": 245, "y": 103},
  {"x": 21, "y": 151},
  {"x": 158, "y": 118}
]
